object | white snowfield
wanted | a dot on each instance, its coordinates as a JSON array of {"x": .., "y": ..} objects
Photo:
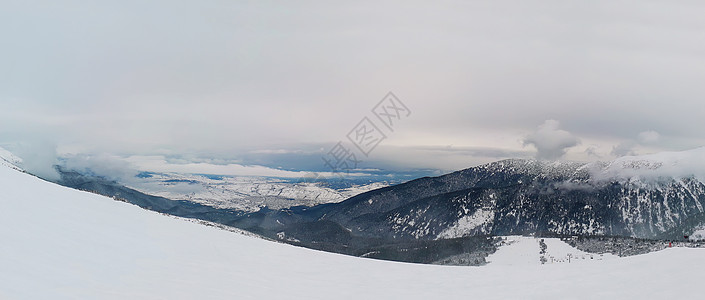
[
  {"x": 59, "y": 243},
  {"x": 243, "y": 193},
  {"x": 521, "y": 250}
]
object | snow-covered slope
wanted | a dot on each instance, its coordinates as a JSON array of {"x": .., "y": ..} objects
[
  {"x": 522, "y": 250},
  {"x": 58, "y": 243},
  {"x": 7, "y": 159}
]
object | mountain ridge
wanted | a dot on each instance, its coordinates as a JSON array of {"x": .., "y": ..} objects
[{"x": 524, "y": 196}]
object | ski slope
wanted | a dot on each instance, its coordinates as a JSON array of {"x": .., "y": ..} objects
[{"x": 58, "y": 243}]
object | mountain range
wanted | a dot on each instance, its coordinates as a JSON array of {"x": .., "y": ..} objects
[
  {"x": 455, "y": 218},
  {"x": 60, "y": 243},
  {"x": 655, "y": 197}
]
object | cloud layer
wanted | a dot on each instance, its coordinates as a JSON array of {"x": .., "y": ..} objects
[
  {"x": 550, "y": 141},
  {"x": 231, "y": 78}
]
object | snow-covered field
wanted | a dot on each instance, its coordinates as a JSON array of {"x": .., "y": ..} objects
[
  {"x": 58, "y": 243},
  {"x": 521, "y": 250},
  {"x": 699, "y": 234},
  {"x": 242, "y": 192}
]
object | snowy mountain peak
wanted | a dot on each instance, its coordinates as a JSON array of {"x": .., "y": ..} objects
[{"x": 677, "y": 164}]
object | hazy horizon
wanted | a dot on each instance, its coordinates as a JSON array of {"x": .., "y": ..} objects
[{"x": 271, "y": 88}]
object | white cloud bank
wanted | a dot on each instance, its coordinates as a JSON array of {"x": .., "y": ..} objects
[
  {"x": 160, "y": 164},
  {"x": 630, "y": 146},
  {"x": 649, "y": 136},
  {"x": 550, "y": 141},
  {"x": 678, "y": 164}
]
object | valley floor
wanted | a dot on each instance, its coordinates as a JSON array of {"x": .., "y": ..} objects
[{"x": 58, "y": 243}]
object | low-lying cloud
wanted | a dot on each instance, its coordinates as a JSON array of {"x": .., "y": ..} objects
[
  {"x": 550, "y": 141},
  {"x": 679, "y": 164},
  {"x": 649, "y": 136},
  {"x": 37, "y": 158},
  {"x": 629, "y": 147}
]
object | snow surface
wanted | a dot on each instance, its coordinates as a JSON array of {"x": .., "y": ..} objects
[
  {"x": 466, "y": 225},
  {"x": 7, "y": 159},
  {"x": 520, "y": 250},
  {"x": 246, "y": 193},
  {"x": 59, "y": 243},
  {"x": 698, "y": 234}
]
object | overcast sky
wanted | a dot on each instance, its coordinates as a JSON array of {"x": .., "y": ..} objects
[{"x": 279, "y": 83}]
